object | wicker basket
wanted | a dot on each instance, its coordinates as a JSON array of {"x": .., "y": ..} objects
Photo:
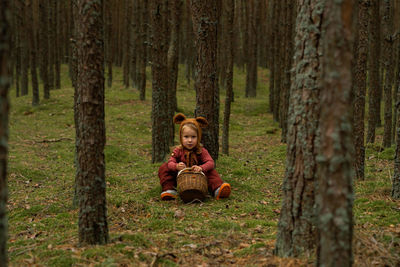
[{"x": 192, "y": 185}]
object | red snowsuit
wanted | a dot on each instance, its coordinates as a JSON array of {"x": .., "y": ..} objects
[{"x": 167, "y": 172}]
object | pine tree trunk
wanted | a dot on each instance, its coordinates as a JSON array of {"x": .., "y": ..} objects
[
  {"x": 360, "y": 86},
  {"x": 43, "y": 47},
  {"x": 204, "y": 13},
  {"x": 143, "y": 33},
  {"x": 373, "y": 71},
  {"x": 229, "y": 7},
  {"x": 58, "y": 44},
  {"x": 173, "y": 61},
  {"x": 93, "y": 228},
  {"x": 126, "y": 42},
  {"x": 51, "y": 42},
  {"x": 277, "y": 60},
  {"x": 5, "y": 51},
  {"x": 251, "y": 59},
  {"x": 285, "y": 92},
  {"x": 389, "y": 72},
  {"x": 159, "y": 70},
  {"x": 396, "y": 174},
  {"x": 296, "y": 227},
  {"x": 32, "y": 49},
  {"x": 334, "y": 196}
]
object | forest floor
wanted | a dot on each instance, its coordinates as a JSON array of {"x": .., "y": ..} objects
[{"x": 145, "y": 231}]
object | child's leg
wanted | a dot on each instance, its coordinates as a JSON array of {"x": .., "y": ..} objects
[
  {"x": 167, "y": 177},
  {"x": 217, "y": 186},
  {"x": 214, "y": 180}
]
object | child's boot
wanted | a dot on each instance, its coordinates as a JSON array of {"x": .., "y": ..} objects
[
  {"x": 169, "y": 194},
  {"x": 223, "y": 191}
]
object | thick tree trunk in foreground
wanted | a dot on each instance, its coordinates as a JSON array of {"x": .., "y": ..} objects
[
  {"x": 360, "y": 87},
  {"x": 334, "y": 196},
  {"x": 296, "y": 227},
  {"x": 91, "y": 187},
  {"x": 4, "y": 110},
  {"x": 204, "y": 14},
  {"x": 159, "y": 69}
]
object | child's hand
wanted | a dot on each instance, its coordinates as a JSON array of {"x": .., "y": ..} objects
[
  {"x": 196, "y": 168},
  {"x": 180, "y": 166}
]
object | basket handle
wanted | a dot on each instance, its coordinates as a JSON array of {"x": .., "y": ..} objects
[{"x": 188, "y": 170}]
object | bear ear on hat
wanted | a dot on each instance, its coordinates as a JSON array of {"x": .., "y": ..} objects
[
  {"x": 203, "y": 123},
  {"x": 179, "y": 118}
]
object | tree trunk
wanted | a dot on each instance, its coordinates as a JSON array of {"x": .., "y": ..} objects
[
  {"x": 373, "y": 71},
  {"x": 389, "y": 72},
  {"x": 288, "y": 59},
  {"x": 205, "y": 22},
  {"x": 126, "y": 42},
  {"x": 230, "y": 14},
  {"x": 159, "y": 70},
  {"x": 142, "y": 59},
  {"x": 91, "y": 186},
  {"x": 360, "y": 85},
  {"x": 51, "y": 42},
  {"x": 396, "y": 175},
  {"x": 277, "y": 54},
  {"x": 271, "y": 53},
  {"x": 173, "y": 61},
  {"x": 32, "y": 49},
  {"x": 43, "y": 47},
  {"x": 334, "y": 196},
  {"x": 251, "y": 59},
  {"x": 296, "y": 227},
  {"x": 5, "y": 51}
]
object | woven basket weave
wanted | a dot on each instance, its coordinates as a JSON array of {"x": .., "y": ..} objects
[{"x": 192, "y": 185}]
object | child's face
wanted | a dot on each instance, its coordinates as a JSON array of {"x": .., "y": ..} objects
[{"x": 189, "y": 137}]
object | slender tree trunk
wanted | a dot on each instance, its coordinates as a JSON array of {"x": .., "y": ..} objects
[
  {"x": 277, "y": 60},
  {"x": 205, "y": 22},
  {"x": 251, "y": 59},
  {"x": 58, "y": 44},
  {"x": 32, "y": 49},
  {"x": 334, "y": 197},
  {"x": 360, "y": 85},
  {"x": 173, "y": 61},
  {"x": 24, "y": 49},
  {"x": 285, "y": 92},
  {"x": 374, "y": 63},
  {"x": 271, "y": 53},
  {"x": 51, "y": 42},
  {"x": 143, "y": 31},
  {"x": 389, "y": 72},
  {"x": 126, "y": 42},
  {"x": 296, "y": 227},
  {"x": 93, "y": 228},
  {"x": 396, "y": 174},
  {"x": 230, "y": 11},
  {"x": 159, "y": 69},
  {"x": 109, "y": 41},
  {"x": 43, "y": 47},
  {"x": 5, "y": 50}
]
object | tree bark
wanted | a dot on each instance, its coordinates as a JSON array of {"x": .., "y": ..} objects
[
  {"x": 360, "y": 86},
  {"x": 334, "y": 197},
  {"x": 142, "y": 59},
  {"x": 159, "y": 69},
  {"x": 32, "y": 49},
  {"x": 373, "y": 70},
  {"x": 251, "y": 59},
  {"x": 93, "y": 228},
  {"x": 205, "y": 22},
  {"x": 173, "y": 60},
  {"x": 389, "y": 72},
  {"x": 296, "y": 227},
  {"x": 5, "y": 41},
  {"x": 43, "y": 47},
  {"x": 230, "y": 14}
]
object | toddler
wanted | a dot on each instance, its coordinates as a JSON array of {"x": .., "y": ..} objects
[{"x": 190, "y": 153}]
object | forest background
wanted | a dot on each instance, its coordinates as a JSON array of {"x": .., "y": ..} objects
[{"x": 144, "y": 230}]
